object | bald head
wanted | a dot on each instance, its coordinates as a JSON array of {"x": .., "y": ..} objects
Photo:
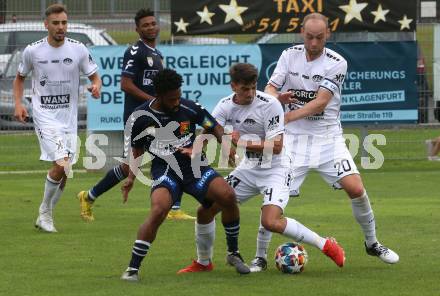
[
  {"x": 315, "y": 32},
  {"x": 316, "y": 17}
]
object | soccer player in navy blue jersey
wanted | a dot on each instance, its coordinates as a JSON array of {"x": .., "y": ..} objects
[
  {"x": 165, "y": 127},
  {"x": 141, "y": 63}
]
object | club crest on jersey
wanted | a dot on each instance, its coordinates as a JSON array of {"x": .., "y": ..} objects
[
  {"x": 249, "y": 121},
  {"x": 150, "y": 61},
  {"x": 317, "y": 78},
  {"x": 67, "y": 61},
  {"x": 184, "y": 127},
  {"x": 43, "y": 80}
]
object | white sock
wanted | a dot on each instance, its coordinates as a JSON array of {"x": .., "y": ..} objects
[
  {"x": 300, "y": 233},
  {"x": 263, "y": 240},
  {"x": 363, "y": 213},
  {"x": 50, "y": 188},
  {"x": 205, "y": 235},
  {"x": 56, "y": 196}
]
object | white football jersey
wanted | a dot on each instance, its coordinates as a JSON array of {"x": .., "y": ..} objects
[
  {"x": 55, "y": 81},
  {"x": 260, "y": 120},
  {"x": 295, "y": 74}
]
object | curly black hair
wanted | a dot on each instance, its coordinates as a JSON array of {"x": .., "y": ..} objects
[
  {"x": 141, "y": 13},
  {"x": 166, "y": 80}
]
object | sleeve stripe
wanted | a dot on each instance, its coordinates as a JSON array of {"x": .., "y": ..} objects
[
  {"x": 274, "y": 83},
  {"x": 327, "y": 89},
  {"x": 92, "y": 71}
]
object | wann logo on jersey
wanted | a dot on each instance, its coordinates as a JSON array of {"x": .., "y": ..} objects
[{"x": 55, "y": 100}]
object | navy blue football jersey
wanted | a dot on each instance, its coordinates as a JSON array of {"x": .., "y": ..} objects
[
  {"x": 141, "y": 63},
  {"x": 169, "y": 131}
]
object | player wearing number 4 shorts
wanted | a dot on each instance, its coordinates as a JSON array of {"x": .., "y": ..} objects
[
  {"x": 257, "y": 121},
  {"x": 310, "y": 78}
]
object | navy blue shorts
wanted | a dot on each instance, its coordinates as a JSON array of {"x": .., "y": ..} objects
[{"x": 197, "y": 187}]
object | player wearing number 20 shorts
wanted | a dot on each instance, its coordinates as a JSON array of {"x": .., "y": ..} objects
[{"x": 310, "y": 78}]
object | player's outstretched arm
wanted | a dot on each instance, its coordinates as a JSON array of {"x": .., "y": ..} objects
[
  {"x": 95, "y": 88},
  {"x": 20, "y": 112}
]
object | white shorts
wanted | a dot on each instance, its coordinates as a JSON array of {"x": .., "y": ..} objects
[
  {"x": 328, "y": 155},
  {"x": 273, "y": 183},
  {"x": 56, "y": 145}
]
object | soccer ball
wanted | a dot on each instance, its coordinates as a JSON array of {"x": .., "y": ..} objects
[{"x": 291, "y": 258}]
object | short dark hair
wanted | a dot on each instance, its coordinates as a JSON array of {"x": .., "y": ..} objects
[
  {"x": 243, "y": 73},
  {"x": 167, "y": 80},
  {"x": 141, "y": 13},
  {"x": 55, "y": 8}
]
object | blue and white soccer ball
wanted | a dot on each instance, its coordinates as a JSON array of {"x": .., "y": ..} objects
[{"x": 291, "y": 258}]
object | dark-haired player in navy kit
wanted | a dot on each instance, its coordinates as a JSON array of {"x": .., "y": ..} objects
[
  {"x": 166, "y": 128},
  {"x": 141, "y": 63}
]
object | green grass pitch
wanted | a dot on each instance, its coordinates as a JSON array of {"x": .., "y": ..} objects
[{"x": 88, "y": 259}]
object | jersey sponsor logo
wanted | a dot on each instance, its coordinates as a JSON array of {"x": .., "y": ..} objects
[
  {"x": 166, "y": 147},
  {"x": 249, "y": 121},
  {"x": 148, "y": 77},
  {"x": 43, "y": 62},
  {"x": 150, "y": 61},
  {"x": 317, "y": 78},
  {"x": 67, "y": 61},
  {"x": 55, "y": 101},
  {"x": 303, "y": 95},
  {"x": 55, "y": 61},
  {"x": 184, "y": 127},
  {"x": 305, "y": 76}
]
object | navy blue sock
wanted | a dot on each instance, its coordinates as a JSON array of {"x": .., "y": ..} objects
[
  {"x": 176, "y": 205},
  {"x": 232, "y": 230},
  {"x": 140, "y": 249},
  {"x": 113, "y": 177}
]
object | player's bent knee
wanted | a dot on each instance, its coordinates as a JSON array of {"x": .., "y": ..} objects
[
  {"x": 273, "y": 225},
  {"x": 355, "y": 192}
]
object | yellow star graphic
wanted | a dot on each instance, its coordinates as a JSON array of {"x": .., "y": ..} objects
[
  {"x": 181, "y": 25},
  {"x": 353, "y": 10},
  {"x": 379, "y": 14},
  {"x": 404, "y": 23},
  {"x": 233, "y": 12},
  {"x": 205, "y": 15}
]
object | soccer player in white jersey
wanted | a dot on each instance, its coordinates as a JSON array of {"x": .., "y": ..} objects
[
  {"x": 310, "y": 78},
  {"x": 56, "y": 63},
  {"x": 257, "y": 121}
]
